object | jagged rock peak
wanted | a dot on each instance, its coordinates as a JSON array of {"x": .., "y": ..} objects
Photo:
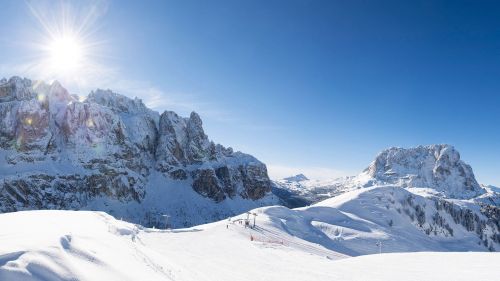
[
  {"x": 297, "y": 178},
  {"x": 117, "y": 102},
  {"x": 16, "y": 88},
  {"x": 433, "y": 166},
  {"x": 19, "y": 89}
]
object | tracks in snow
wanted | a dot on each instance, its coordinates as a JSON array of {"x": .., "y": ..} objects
[{"x": 275, "y": 237}]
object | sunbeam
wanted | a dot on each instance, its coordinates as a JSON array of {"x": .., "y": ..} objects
[{"x": 65, "y": 46}]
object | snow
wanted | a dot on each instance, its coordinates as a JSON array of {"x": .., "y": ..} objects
[
  {"x": 419, "y": 266},
  {"x": 352, "y": 223},
  {"x": 325, "y": 241},
  {"x": 81, "y": 245}
]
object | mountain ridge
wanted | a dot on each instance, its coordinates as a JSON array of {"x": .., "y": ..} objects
[{"x": 62, "y": 152}]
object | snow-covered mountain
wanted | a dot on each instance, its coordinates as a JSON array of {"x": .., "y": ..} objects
[
  {"x": 299, "y": 191},
  {"x": 417, "y": 199},
  {"x": 111, "y": 153},
  {"x": 438, "y": 167},
  {"x": 433, "y": 169},
  {"x": 296, "y": 178}
]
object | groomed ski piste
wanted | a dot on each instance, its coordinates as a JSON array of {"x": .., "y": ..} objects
[{"x": 338, "y": 239}]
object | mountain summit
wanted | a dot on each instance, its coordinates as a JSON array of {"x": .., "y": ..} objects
[
  {"x": 297, "y": 178},
  {"x": 111, "y": 153},
  {"x": 434, "y": 169},
  {"x": 434, "y": 166}
]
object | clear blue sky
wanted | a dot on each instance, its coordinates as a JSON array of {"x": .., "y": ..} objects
[{"x": 319, "y": 86}]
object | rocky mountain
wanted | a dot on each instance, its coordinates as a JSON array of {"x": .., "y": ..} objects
[
  {"x": 111, "y": 153},
  {"x": 435, "y": 170},
  {"x": 435, "y": 166}
]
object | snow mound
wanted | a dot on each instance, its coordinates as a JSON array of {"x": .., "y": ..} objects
[{"x": 65, "y": 245}]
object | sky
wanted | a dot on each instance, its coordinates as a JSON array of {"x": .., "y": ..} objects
[{"x": 319, "y": 87}]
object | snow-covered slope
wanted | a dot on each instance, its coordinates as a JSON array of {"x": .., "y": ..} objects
[
  {"x": 111, "y": 153},
  {"x": 66, "y": 245},
  {"x": 354, "y": 222},
  {"x": 491, "y": 197}
]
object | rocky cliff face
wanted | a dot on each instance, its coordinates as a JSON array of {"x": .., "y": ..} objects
[
  {"x": 435, "y": 166},
  {"x": 58, "y": 151}
]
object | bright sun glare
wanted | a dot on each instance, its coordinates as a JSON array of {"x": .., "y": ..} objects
[
  {"x": 65, "y": 44},
  {"x": 65, "y": 53}
]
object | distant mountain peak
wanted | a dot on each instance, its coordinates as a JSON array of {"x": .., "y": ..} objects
[
  {"x": 432, "y": 169},
  {"x": 435, "y": 166},
  {"x": 297, "y": 178}
]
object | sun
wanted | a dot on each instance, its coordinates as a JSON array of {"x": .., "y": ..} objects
[
  {"x": 67, "y": 43},
  {"x": 65, "y": 53}
]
